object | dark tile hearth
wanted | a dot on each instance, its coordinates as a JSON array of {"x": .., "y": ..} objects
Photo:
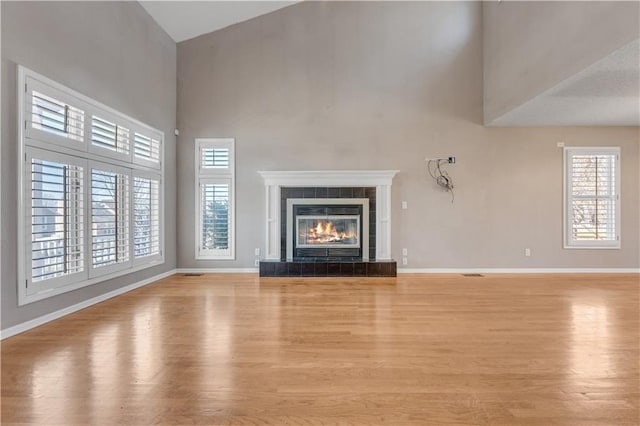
[{"x": 328, "y": 268}]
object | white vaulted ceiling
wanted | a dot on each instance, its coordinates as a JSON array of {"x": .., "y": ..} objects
[
  {"x": 606, "y": 93},
  {"x": 183, "y": 20}
]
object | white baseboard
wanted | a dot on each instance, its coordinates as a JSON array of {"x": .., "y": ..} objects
[
  {"x": 443, "y": 270},
  {"x": 518, "y": 270},
  {"x": 217, "y": 271},
  {"x": 28, "y": 325}
]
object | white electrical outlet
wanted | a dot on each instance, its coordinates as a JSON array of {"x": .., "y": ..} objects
[
  {"x": 257, "y": 252},
  {"x": 527, "y": 252},
  {"x": 257, "y": 262},
  {"x": 404, "y": 205},
  {"x": 560, "y": 144},
  {"x": 405, "y": 252},
  {"x": 405, "y": 261}
]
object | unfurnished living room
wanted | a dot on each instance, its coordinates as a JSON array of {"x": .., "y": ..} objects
[{"x": 320, "y": 213}]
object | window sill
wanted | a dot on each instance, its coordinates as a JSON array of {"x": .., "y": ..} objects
[
  {"x": 204, "y": 257},
  {"x": 25, "y": 298},
  {"x": 617, "y": 247}
]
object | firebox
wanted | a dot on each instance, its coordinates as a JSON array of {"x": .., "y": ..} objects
[
  {"x": 327, "y": 228},
  {"x": 328, "y": 231}
]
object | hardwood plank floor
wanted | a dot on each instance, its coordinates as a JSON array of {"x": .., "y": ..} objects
[{"x": 419, "y": 349}]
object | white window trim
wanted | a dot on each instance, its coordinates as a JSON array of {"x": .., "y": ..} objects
[
  {"x": 153, "y": 258},
  {"x": 85, "y": 154},
  {"x": 206, "y": 175},
  {"x": 33, "y": 288},
  {"x": 589, "y": 245},
  {"x": 95, "y": 272}
]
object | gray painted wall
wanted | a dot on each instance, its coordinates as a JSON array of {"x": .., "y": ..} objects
[
  {"x": 113, "y": 52},
  {"x": 333, "y": 85},
  {"x": 530, "y": 46}
]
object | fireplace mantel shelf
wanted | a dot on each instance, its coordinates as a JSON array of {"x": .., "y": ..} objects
[
  {"x": 328, "y": 177},
  {"x": 380, "y": 179}
]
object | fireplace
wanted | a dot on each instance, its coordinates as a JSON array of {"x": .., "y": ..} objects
[
  {"x": 328, "y": 223},
  {"x": 327, "y": 228}
]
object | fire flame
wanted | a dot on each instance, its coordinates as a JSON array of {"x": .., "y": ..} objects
[{"x": 328, "y": 233}]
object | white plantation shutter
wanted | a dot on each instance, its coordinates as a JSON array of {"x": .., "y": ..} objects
[
  {"x": 592, "y": 197},
  {"x": 216, "y": 217},
  {"x": 108, "y": 135},
  {"x": 215, "y": 201},
  {"x": 54, "y": 117},
  {"x": 110, "y": 240},
  {"x": 56, "y": 249},
  {"x": 146, "y": 149},
  {"x": 146, "y": 208},
  {"x": 215, "y": 158}
]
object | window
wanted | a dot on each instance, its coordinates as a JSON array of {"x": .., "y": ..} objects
[
  {"x": 146, "y": 148},
  {"x": 51, "y": 115},
  {"x": 110, "y": 242},
  {"x": 592, "y": 197},
  {"x": 55, "y": 244},
  {"x": 215, "y": 158},
  {"x": 91, "y": 208},
  {"x": 108, "y": 135},
  {"x": 146, "y": 218},
  {"x": 215, "y": 215},
  {"x": 215, "y": 198}
]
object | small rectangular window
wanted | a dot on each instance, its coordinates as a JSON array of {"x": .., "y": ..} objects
[
  {"x": 109, "y": 217},
  {"x": 146, "y": 148},
  {"x": 592, "y": 197},
  {"x": 215, "y": 158},
  {"x": 57, "y": 117},
  {"x": 146, "y": 208},
  {"x": 216, "y": 216},
  {"x": 215, "y": 198},
  {"x": 108, "y": 135},
  {"x": 57, "y": 213}
]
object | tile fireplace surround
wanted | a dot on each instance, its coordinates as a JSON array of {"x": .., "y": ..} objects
[{"x": 374, "y": 185}]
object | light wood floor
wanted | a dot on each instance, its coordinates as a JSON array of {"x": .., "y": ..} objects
[{"x": 433, "y": 350}]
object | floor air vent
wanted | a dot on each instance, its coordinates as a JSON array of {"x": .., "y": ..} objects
[
  {"x": 472, "y": 275},
  {"x": 192, "y": 275}
]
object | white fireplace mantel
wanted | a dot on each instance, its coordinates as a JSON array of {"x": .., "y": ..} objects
[{"x": 380, "y": 179}]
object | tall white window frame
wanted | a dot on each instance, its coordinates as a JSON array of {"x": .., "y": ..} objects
[
  {"x": 60, "y": 126},
  {"x": 56, "y": 224},
  {"x": 147, "y": 235},
  {"x": 583, "y": 186},
  {"x": 110, "y": 212},
  {"x": 215, "y": 198}
]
